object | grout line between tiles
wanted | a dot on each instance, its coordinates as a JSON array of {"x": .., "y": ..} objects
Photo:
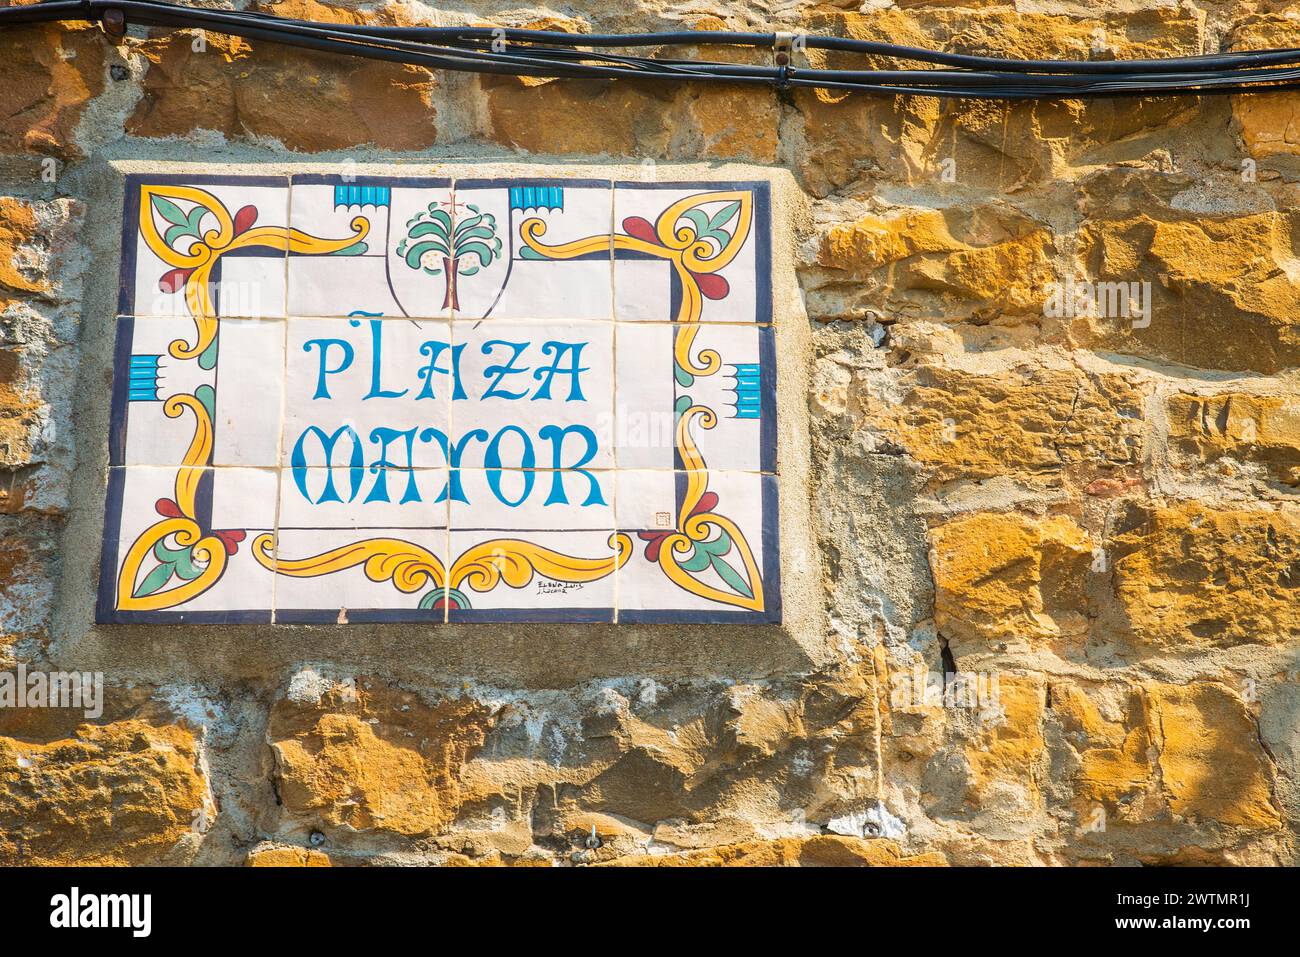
[
  {"x": 448, "y": 559},
  {"x": 284, "y": 402},
  {"x": 616, "y": 414},
  {"x": 513, "y": 320},
  {"x": 279, "y": 497},
  {"x": 420, "y": 469}
]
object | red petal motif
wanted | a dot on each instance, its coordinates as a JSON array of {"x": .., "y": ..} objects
[
  {"x": 707, "y": 503},
  {"x": 655, "y": 540},
  {"x": 174, "y": 280},
  {"x": 639, "y": 228},
  {"x": 231, "y": 537},
  {"x": 712, "y": 286},
  {"x": 166, "y": 507},
  {"x": 245, "y": 218}
]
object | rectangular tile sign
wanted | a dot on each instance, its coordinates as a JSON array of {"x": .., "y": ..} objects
[{"x": 344, "y": 399}]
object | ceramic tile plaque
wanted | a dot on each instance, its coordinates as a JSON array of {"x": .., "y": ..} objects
[{"x": 349, "y": 399}]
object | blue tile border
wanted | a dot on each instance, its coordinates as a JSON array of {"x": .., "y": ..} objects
[
  {"x": 534, "y": 616},
  {"x": 106, "y": 601}
]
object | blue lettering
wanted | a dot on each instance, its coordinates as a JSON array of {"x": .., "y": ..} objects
[
  {"x": 501, "y": 371},
  {"x": 561, "y": 349},
  {"x": 379, "y": 468},
  {"x": 454, "y": 490},
  {"x": 322, "y": 392},
  {"x": 556, "y": 435},
  {"x": 298, "y": 460},
  {"x": 377, "y": 391},
  {"x": 433, "y": 349},
  {"x": 527, "y": 461}
]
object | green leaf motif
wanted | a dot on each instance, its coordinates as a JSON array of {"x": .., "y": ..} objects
[
  {"x": 476, "y": 236},
  {"x": 705, "y": 552},
  {"x": 208, "y": 357},
  {"x": 732, "y": 578},
  {"x": 208, "y": 397},
  {"x": 169, "y": 211},
  {"x": 415, "y": 253},
  {"x": 706, "y": 228},
  {"x": 180, "y": 559},
  {"x": 484, "y": 252},
  {"x": 154, "y": 581},
  {"x": 427, "y": 232},
  {"x": 178, "y": 562},
  {"x": 464, "y": 248},
  {"x": 183, "y": 224},
  {"x": 724, "y": 216},
  {"x": 709, "y": 555},
  {"x": 472, "y": 222}
]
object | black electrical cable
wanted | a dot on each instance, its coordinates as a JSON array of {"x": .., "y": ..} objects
[
  {"x": 537, "y": 66},
  {"x": 541, "y": 53}
]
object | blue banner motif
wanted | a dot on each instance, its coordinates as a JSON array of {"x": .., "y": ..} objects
[
  {"x": 142, "y": 379},
  {"x": 537, "y": 197},
  {"x": 749, "y": 394},
  {"x": 346, "y": 194}
]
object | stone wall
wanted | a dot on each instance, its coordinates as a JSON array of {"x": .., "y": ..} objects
[{"x": 1089, "y": 515}]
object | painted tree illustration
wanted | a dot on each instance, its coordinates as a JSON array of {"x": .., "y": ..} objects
[{"x": 439, "y": 244}]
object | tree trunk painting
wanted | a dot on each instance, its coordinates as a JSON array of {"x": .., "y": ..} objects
[{"x": 436, "y": 243}]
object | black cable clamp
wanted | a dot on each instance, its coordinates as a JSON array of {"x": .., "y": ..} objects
[
  {"x": 113, "y": 20},
  {"x": 782, "y": 50}
]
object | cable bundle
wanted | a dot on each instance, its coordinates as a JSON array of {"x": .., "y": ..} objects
[{"x": 540, "y": 53}]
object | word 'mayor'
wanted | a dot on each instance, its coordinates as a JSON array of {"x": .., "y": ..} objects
[{"x": 518, "y": 372}]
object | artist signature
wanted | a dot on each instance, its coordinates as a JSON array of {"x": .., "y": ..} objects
[{"x": 546, "y": 587}]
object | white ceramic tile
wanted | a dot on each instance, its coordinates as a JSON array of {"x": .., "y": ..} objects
[
  {"x": 730, "y": 506},
  {"x": 642, "y": 291},
  {"x": 399, "y": 398},
  {"x": 244, "y": 496},
  {"x": 727, "y": 389},
  {"x": 385, "y": 498},
  {"x": 152, "y": 376},
  {"x": 232, "y": 506},
  {"x": 248, "y": 280},
  {"x": 521, "y": 283},
  {"x": 646, "y": 500},
  {"x": 358, "y": 590},
  {"x": 421, "y": 236},
  {"x": 340, "y": 286},
  {"x": 338, "y": 209},
  {"x": 644, "y": 419},
  {"x": 537, "y": 395},
  {"x": 510, "y": 500},
  {"x": 354, "y": 279},
  {"x": 734, "y": 394},
  {"x": 250, "y": 389},
  {"x": 247, "y": 373},
  {"x": 533, "y": 595}
]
